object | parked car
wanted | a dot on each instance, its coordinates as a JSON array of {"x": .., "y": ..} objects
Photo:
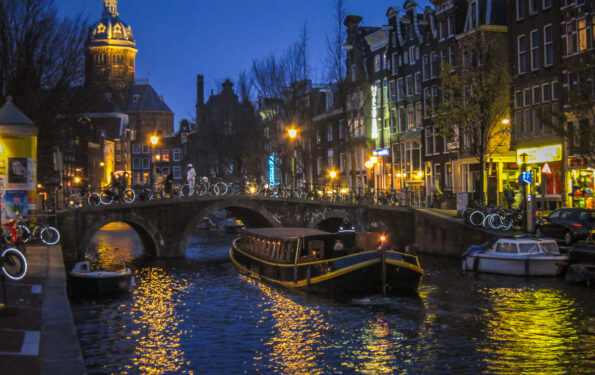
[{"x": 567, "y": 224}]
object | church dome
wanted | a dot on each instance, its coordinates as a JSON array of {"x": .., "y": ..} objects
[{"x": 110, "y": 29}]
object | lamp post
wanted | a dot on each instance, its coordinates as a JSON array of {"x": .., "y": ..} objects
[
  {"x": 523, "y": 184},
  {"x": 154, "y": 141},
  {"x": 292, "y": 134}
]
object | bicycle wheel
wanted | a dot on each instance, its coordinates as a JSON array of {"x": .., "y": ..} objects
[
  {"x": 128, "y": 196},
  {"x": 93, "y": 199},
  {"x": 106, "y": 197},
  {"x": 74, "y": 201},
  {"x": 496, "y": 221},
  {"x": 49, "y": 235},
  {"x": 221, "y": 188},
  {"x": 24, "y": 233},
  {"x": 14, "y": 264},
  {"x": 476, "y": 218}
]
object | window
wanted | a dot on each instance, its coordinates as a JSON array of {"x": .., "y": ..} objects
[
  {"x": 384, "y": 65},
  {"x": 329, "y": 133},
  {"x": 537, "y": 126},
  {"x": 136, "y": 148},
  {"x": 165, "y": 171},
  {"x": 528, "y": 123},
  {"x": 547, "y": 4},
  {"x": 521, "y": 9},
  {"x": 546, "y": 92},
  {"x": 410, "y": 117},
  {"x": 377, "y": 63},
  {"x": 146, "y": 149},
  {"x": 145, "y": 163},
  {"x": 402, "y": 119},
  {"x": 548, "y": 47},
  {"x": 452, "y": 59},
  {"x": 395, "y": 63},
  {"x": 411, "y": 55},
  {"x": 518, "y": 99},
  {"x": 536, "y": 95},
  {"x": 393, "y": 122},
  {"x": 522, "y": 54},
  {"x": 418, "y": 114},
  {"x": 582, "y": 35},
  {"x": 426, "y": 67},
  {"x": 451, "y": 26},
  {"x": 410, "y": 85},
  {"x": 330, "y": 156},
  {"x": 135, "y": 163},
  {"x": 400, "y": 89},
  {"x": 342, "y": 162},
  {"x": 518, "y": 123},
  {"x": 442, "y": 29},
  {"x": 391, "y": 91},
  {"x": 535, "y": 50},
  {"x": 177, "y": 154},
  {"x": 434, "y": 65},
  {"x": 318, "y": 165},
  {"x": 427, "y": 100},
  {"x": 527, "y": 94},
  {"x": 434, "y": 96},
  {"x": 571, "y": 38},
  {"x": 555, "y": 90},
  {"x": 405, "y": 57},
  {"x": 177, "y": 174},
  {"x": 418, "y": 83},
  {"x": 429, "y": 139},
  {"x": 444, "y": 55},
  {"x": 533, "y": 6}
]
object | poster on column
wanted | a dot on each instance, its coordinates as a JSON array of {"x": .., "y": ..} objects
[{"x": 14, "y": 203}]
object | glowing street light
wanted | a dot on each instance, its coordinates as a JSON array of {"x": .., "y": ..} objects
[
  {"x": 506, "y": 121},
  {"x": 373, "y": 159},
  {"x": 369, "y": 164},
  {"x": 332, "y": 174},
  {"x": 154, "y": 140},
  {"x": 77, "y": 180},
  {"x": 292, "y": 133}
]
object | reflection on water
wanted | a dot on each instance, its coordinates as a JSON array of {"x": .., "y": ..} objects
[
  {"x": 113, "y": 246},
  {"x": 199, "y": 316}
]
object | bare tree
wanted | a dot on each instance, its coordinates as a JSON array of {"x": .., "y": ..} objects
[
  {"x": 475, "y": 100},
  {"x": 41, "y": 59}
]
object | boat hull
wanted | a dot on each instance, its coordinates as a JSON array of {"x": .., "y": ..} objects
[
  {"x": 86, "y": 286},
  {"x": 352, "y": 275},
  {"x": 521, "y": 265}
]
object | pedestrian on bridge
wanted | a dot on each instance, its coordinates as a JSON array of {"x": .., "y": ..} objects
[{"x": 191, "y": 177}]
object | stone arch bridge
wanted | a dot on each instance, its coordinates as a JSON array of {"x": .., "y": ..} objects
[{"x": 164, "y": 226}]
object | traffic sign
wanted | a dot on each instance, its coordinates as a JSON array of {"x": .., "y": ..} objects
[{"x": 546, "y": 169}]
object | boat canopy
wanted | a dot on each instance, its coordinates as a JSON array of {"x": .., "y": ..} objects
[{"x": 284, "y": 233}]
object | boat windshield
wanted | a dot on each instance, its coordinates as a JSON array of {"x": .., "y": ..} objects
[
  {"x": 550, "y": 247},
  {"x": 529, "y": 248}
]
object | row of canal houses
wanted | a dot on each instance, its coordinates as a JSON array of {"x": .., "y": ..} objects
[{"x": 393, "y": 80}]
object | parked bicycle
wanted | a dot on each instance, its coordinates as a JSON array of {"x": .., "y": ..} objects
[
  {"x": 108, "y": 196},
  {"x": 13, "y": 263},
  {"x": 44, "y": 233}
]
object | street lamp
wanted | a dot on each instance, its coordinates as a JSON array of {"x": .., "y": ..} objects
[
  {"x": 292, "y": 134},
  {"x": 154, "y": 141}
]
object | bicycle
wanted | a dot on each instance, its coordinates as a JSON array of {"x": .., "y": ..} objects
[
  {"x": 13, "y": 263},
  {"x": 46, "y": 234},
  {"x": 108, "y": 196},
  {"x": 11, "y": 234}
]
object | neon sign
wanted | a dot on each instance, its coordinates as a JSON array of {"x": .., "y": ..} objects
[{"x": 374, "y": 112}]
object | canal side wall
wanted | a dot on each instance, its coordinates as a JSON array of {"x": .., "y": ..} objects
[{"x": 440, "y": 234}]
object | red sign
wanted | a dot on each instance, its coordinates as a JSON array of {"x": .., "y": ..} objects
[{"x": 546, "y": 169}]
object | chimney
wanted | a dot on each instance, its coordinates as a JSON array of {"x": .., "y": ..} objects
[{"x": 200, "y": 90}]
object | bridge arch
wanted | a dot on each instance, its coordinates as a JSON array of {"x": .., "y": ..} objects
[
  {"x": 149, "y": 235},
  {"x": 251, "y": 212},
  {"x": 331, "y": 220}
]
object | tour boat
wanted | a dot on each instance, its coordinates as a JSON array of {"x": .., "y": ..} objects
[
  {"x": 516, "y": 256},
  {"x": 308, "y": 260},
  {"x": 84, "y": 282}
]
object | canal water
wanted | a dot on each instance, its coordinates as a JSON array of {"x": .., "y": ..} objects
[{"x": 199, "y": 316}]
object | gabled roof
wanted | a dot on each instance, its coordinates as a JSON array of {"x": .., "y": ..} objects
[{"x": 144, "y": 98}]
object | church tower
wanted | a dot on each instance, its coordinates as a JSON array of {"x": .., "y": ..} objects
[{"x": 111, "y": 52}]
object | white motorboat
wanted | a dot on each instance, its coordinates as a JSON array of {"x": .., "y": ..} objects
[
  {"x": 524, "y": 256},
  {"x": 84, "y": 282}
]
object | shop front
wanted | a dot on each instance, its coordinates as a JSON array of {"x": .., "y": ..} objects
[
  {"x": 546, "y": 170},
  {"x": 581, "y": 174}
]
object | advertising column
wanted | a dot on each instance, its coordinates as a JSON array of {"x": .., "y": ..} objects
[{"x": 18, "y": 162}]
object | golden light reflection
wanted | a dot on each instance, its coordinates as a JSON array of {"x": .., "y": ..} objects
[
  {"x": 528, "y": 331},
  {"x": 376, "y": 353},
  {"x": 104, "y": 256},
  {"x": 158, "y": 338},
  {"x": 294, "y": 343}
]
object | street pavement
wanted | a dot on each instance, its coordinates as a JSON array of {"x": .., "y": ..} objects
[{"x": 39, "y": 336}]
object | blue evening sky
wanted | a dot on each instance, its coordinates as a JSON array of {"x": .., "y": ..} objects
[{"x": 178, "y": 39}]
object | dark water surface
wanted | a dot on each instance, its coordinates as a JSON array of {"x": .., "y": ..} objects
[{"x": 199, "y": 316}]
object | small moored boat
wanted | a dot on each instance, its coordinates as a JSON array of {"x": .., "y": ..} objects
[
  {"x": 516, "y": 256},
  {"x": 84, "y": 282},
  {"x": 310, "y": 260}
]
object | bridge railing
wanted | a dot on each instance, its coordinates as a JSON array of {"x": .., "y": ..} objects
[{"x": 408, "y": 197}]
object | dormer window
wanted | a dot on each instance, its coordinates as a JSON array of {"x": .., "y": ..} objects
[
  {"x": 100, "y": 28},
  {"x": 135, "y": 98},
  {"x": 117, "y": 31}
]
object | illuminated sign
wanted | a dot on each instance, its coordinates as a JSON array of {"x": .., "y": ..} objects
[
  {"x": 539, "y": 154},
  {"x": 526, "y": 176},
  {"x": 546, "y": 169},
  {"x": 381, "y": 152},
  {"x": 374, "y": 112},
  {"x": 272, "y": 169}
]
